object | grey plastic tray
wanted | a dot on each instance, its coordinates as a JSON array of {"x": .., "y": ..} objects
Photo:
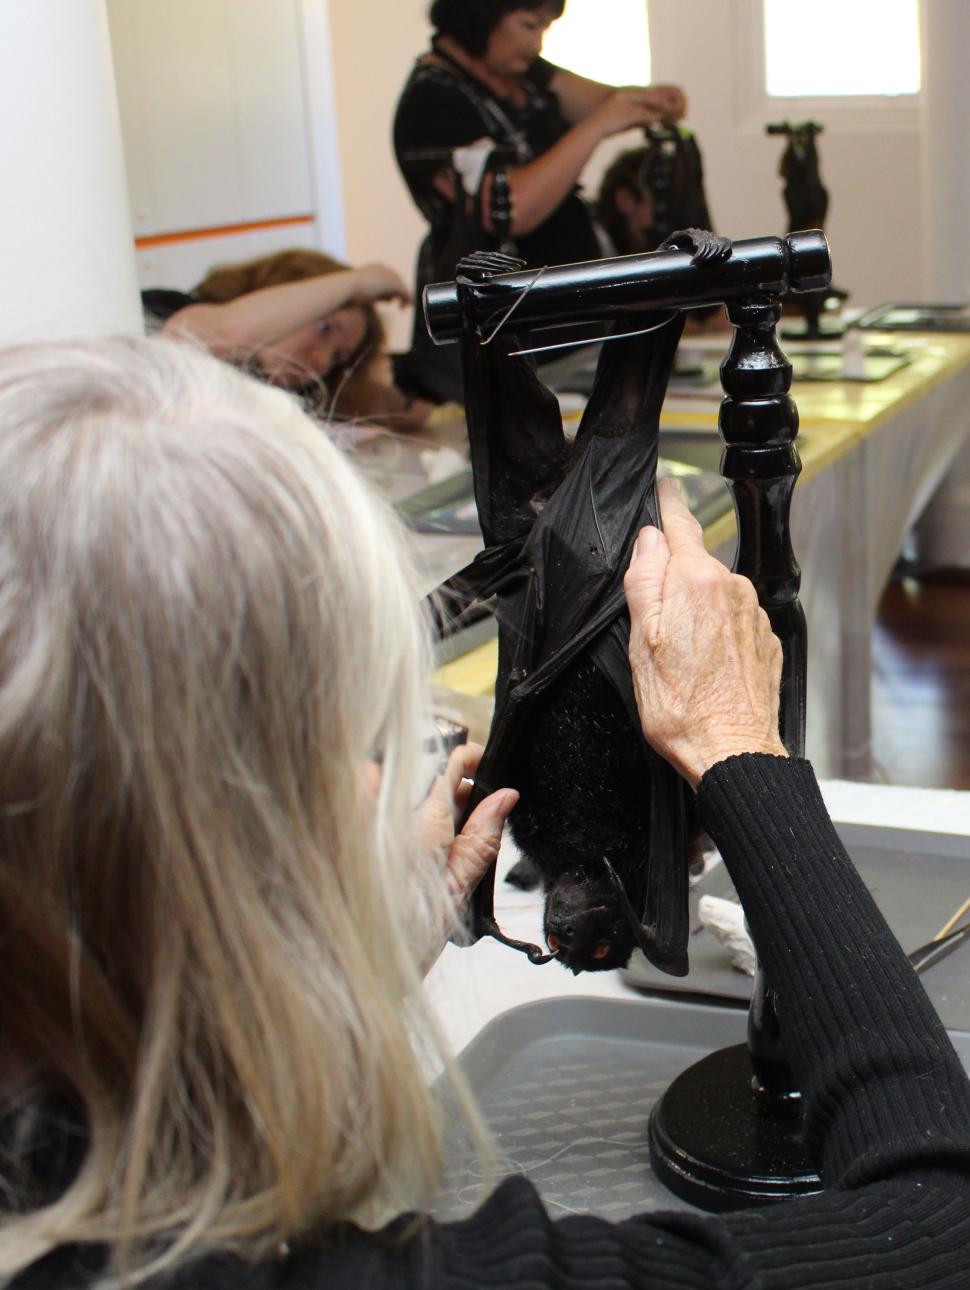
[
  {"x": 917, "y": 879},
  {"x": 566, "y": 1087}
]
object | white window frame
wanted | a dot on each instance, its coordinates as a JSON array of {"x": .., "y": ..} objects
[{"x": 848, "y": 114}]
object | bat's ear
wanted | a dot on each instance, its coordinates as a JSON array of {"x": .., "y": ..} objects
[{"x": 643, "y": 935}]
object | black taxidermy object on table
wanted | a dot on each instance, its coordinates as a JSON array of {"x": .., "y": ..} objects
[
  {"x": 559, "y": 523},
  {"x": 807, "y": 203}
]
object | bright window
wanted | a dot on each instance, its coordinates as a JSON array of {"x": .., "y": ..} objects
[
  {"x": 606, "y": 40},
  {"x": 841, "y": 47}
]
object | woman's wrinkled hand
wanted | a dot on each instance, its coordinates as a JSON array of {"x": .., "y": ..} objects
[
  {"x": 706, "y": 664},
  {"x": 624, "y": 110},
  {"x": 670, "y": 101},
  {"x": 470, "y": 852},
  {"x": 638, "y": 106}
]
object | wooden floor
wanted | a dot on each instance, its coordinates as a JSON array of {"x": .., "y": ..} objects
[{"x": 921, "y": 685}]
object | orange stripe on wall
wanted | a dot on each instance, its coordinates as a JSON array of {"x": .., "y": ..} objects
[{"x": 221, "y": 230}]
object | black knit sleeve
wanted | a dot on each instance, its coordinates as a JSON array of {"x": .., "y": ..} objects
[
  {"x": 887, "y": 1103},
  {"x": 882, "y": 1086}
]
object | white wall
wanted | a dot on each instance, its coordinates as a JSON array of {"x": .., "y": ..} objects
[
  {"x": 65, "y": 230},
  {"x": 375, "y": 44},
  {"x": 870, "y": 160},
  {"x": 214, "y": 103},
  {"x": 214, "y": 126},
  {"x": 946, "y": 126}
]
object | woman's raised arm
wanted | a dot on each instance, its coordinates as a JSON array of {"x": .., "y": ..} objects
[{"x": 262, "y": 317}]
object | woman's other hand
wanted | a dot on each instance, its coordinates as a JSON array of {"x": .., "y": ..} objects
[
  {"x": 635, "y": 106},
  {"x": 706, "y": 664},
  {"x": 378, "y": 282},
  {"x": 670, "y": 101},
  {"x": 470, "y": 852}
]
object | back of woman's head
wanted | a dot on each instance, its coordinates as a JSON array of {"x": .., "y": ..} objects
[
  {"x": 471, "y": 22},
  {"x": 206, "y": 628}
]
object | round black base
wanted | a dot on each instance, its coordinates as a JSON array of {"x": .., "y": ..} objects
[{"x": 714, "y": 1144}]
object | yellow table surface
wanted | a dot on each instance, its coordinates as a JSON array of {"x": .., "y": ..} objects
[{"x": 834, "y": 417}]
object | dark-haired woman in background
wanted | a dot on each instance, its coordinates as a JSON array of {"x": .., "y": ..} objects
[{"x": 484, "y": 78}]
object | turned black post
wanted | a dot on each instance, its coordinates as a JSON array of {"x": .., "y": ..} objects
[
  {"x": 727, "y": 1132},
  {"x": 759, "y": 423}
]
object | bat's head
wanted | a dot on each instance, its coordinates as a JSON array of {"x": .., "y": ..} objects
[{"x": 584, "y": 925}]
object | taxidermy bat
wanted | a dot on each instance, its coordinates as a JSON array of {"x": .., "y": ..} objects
[
  {"x": 600, "y": 814},
  {"x": 806, "y": 197}
]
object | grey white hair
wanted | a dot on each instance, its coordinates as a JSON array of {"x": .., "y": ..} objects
[{"x": 207, "y": 626}]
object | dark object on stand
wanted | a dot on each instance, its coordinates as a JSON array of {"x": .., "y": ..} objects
[
  {"x": 649, "y": 192},
  {"x": 558, "y": 580},
  {"x": 807, "y": 201}
]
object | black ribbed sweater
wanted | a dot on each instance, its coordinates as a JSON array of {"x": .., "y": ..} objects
[{"x": 887, "y": 1109}]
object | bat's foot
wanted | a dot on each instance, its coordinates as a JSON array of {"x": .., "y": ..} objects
[
  {"x": 533, "y": 953},
  {"x": 483, "y": 264},
  {"x": 705, "y": 247}
]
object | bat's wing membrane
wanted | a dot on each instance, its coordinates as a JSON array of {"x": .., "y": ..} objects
[{"x": 560, "y": 537}]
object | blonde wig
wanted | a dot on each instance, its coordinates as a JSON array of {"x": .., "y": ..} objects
[{"x": 207, "y": 627}]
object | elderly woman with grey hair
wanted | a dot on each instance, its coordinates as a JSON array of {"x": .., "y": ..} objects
[{"x": 219, "y": 883}]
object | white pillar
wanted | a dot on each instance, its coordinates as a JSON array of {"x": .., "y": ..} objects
[
  {"x": 65, "y": 230},
  {"x": 946, "y": 128}
]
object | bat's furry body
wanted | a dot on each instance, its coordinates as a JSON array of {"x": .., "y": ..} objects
[{"x": 585, "y": 794}]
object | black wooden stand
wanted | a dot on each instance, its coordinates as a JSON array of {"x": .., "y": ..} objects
[{"x": 727, "y": 1132}]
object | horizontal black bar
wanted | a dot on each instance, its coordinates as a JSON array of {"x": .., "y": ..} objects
[{"x": 597, "y": 290}]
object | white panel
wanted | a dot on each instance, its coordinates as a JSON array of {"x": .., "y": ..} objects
[
  {"x": 266, "y": 62},
  {"x": 191, "y": 138},
  {"x": 212, "y": 100}
]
